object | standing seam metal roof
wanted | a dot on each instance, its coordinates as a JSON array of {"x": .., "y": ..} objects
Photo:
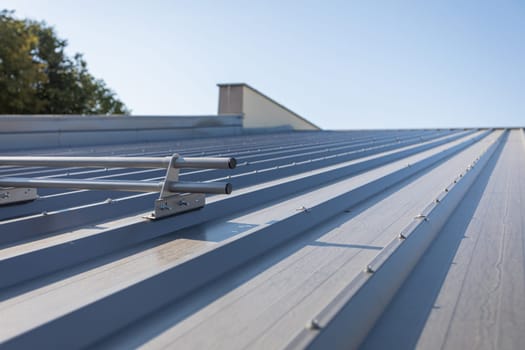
[{"x": 322, "y": 245}]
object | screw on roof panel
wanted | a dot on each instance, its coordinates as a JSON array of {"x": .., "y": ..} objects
[
  {"x": 313, "y": 325},
  {"x": 303, "y": 208}
]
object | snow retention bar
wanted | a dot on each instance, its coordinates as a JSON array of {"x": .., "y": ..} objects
[
  {"x": 346, "y": 321},
  {"x": 174, "y": 197}
]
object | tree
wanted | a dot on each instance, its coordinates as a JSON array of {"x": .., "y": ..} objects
[{"x": 37, "y": 77}]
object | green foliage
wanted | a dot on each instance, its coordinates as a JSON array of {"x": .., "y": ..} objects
[{"x": 37, "y": 77}]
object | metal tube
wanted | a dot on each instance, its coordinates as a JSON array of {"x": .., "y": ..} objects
[
  {"x": 90, "y": 162},
  {"x": 122, "y": 162},
  {"x": 118, "y": 185},
  {"x": 206, "y": 163},
  {"x": 201, "y": 187},
  {"x": 115, "y": 185}
]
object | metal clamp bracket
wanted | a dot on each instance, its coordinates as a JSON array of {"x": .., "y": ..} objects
[
  {"x": 10, "y": 195},
  {"x": 170, "y": 203}
]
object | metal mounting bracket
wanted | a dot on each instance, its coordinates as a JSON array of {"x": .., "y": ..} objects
[
  {"x": 10, "y": 195},
  {"x": 170, "y": 203},
  {"x": 177, "y": 203},
  {"x": 172, "y": 175}
]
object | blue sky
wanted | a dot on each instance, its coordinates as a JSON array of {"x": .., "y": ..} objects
[{"x": 341, "y": 64}]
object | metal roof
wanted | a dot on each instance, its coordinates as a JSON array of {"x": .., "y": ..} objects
[{"x": 385, "y": 239}]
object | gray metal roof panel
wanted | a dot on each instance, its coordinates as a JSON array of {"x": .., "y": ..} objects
[
  {"x": 468, "y": 290},
  {"x": 310, "y": 212}
]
